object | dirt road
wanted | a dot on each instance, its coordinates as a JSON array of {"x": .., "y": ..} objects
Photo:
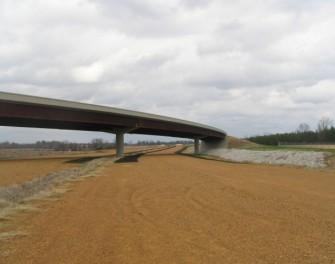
[{"x": 175, "y": 209}]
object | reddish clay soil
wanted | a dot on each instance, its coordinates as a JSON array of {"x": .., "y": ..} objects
[
  {"x": 24, "y": 168},
  {"x": 18, "y": 171},
  {"x": 169, "y": 208}
]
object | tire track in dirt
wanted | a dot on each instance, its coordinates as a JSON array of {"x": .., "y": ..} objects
[{"x": 174, "y": 209}]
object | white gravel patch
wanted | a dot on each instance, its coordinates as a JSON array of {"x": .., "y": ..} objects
[{"x": 297, "y": 158}]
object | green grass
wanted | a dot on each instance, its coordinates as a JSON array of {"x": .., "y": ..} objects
[{"x": 287, "y": 148}]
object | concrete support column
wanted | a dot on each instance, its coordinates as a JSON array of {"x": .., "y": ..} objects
[
  {"x": 196, "y": 146},
  {"x": 119, "y": 144}
]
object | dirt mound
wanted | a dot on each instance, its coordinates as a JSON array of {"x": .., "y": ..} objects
[{"x": 234, "y": 142}]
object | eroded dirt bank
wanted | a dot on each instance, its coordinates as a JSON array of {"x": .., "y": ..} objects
[{"x": 175, "y": 209}]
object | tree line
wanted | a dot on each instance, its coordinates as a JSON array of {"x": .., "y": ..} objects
[
  {"x": 325, "y": 133},
  {"x": 95, "y": 144},
  {"x": 151, "y": 142}
]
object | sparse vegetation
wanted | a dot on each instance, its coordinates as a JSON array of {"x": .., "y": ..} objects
[
  {"x": 234, "y": 142},
  {"x": 16, "y": 197},
  {"x": 295, "y": 148},
  {"x": 12, "y": 197},
  {"x": 8, "y": 235}
]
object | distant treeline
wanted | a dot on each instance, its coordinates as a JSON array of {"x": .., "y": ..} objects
[
  {"x": 324, "y": 133},
  {"x": 95, "y": 144},
  {"x": 151, "y": 143}
]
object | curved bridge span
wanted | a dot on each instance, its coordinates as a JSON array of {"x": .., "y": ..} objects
[{"x": 30, "y": 111}]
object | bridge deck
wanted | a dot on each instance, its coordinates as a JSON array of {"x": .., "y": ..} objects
[{"x": 30, "y": 111}]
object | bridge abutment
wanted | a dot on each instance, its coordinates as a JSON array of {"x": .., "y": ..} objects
[{"x": 213, "y": 143}]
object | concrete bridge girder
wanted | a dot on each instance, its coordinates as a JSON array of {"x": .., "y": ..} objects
[{"x": 29, "y": 111}]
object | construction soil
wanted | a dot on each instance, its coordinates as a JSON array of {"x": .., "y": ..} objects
[
  {"x": 19, "y": 167},
  {"x": 169, "y": 208}
]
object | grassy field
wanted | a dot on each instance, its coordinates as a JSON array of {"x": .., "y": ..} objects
[
  {"x": 293, "y": 148},
  {"x": 238, "y": 143}
]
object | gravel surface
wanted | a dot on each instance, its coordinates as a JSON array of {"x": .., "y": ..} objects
[{"x": 296, "y": 158}]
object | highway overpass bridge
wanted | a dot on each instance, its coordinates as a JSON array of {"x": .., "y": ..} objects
[{"x": 29, "y": 111}]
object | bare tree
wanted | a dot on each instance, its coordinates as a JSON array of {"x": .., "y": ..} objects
[
  {"x": 324, "y": 126},
  {"x": 303, "y": 128},
  {"x": 325, "y": 123},
  {"x": 97, "y": 143}
]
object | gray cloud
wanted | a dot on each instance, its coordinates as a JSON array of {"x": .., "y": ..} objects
[{"x": 247, "y": 67}]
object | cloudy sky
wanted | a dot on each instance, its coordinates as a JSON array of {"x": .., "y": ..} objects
[{"x": 245, "y": 66}]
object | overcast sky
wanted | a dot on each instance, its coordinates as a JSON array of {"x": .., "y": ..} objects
[{"x": 245, "y": 66}]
